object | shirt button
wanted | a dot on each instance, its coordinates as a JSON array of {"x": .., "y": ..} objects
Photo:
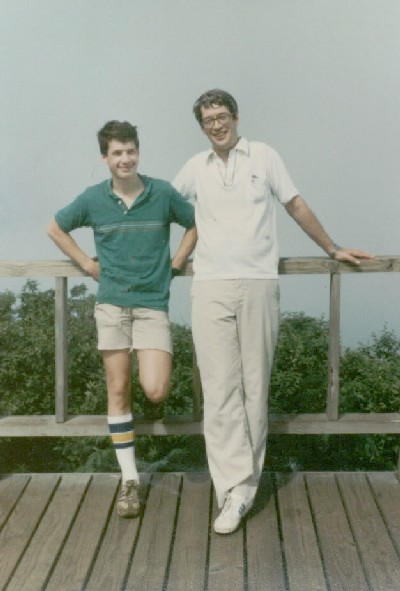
[{"x": 125, "y": 212}]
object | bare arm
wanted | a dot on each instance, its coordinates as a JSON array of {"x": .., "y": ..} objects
[
  {"x": 185, "y": 248},
  {"x": 298, "y": 209},
  {"x": 69, "y": 247}
]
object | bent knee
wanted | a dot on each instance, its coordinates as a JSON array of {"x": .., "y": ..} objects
[{"x": 156, "y": 392}]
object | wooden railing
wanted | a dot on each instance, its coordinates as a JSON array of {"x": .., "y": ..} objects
[{"x": 61, "y": 424}]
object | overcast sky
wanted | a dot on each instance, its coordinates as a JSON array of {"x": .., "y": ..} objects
[{"x": 317, "y": 79}]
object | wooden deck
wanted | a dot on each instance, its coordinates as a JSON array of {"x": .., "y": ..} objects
[{"x": 307, "y": 532}]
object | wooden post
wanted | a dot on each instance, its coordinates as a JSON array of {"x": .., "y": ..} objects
[
  {"x": 61, "y": 311},
  {"x": 332, "y": 402}
]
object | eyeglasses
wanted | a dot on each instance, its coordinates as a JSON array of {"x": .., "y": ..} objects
[{"x": 222, "y": 118}]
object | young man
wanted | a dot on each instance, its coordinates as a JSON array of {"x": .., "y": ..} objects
[
  {"x": 131, "y": 216},
  {"x": 235, "y": 295}
]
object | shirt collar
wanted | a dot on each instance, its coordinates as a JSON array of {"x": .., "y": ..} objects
[
  {"x": 109, "y": 188},
  {"x": 241, "y": 146},
  {"x": 146, "y": 182}
]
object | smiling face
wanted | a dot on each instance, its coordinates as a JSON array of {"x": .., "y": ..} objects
[
  {"x": 122, "y": 159},
  {"x": 220, "y": 126}
]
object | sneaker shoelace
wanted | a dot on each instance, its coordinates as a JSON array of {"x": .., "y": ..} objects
[{"x": 127, "y": 490}]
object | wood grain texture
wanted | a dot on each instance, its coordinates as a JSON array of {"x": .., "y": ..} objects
[
  {"x": 300, "y": 424},
  {"x": 317, "y": 531},
  {"x": 226, "y": 564},
  {"x": 381, "y": 562},
  {"x": 80, "y": 548},
  {"x": 22, "y": 523},
  {"x": 264, "y": 551},
  {"x": 150, "y": 562},
  {"x": 386, "y": 489},
  {"x": 117, "y": 547},
  {"x": 302, "y": 554},
  {"x": 188, "y": 563},
  {"x": 342, "y": 562},
  {"x": 287, "y": 266},
  {"x": 36, "y": 565}
]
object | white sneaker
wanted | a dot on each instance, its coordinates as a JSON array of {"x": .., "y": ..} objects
[{"x": 232, "y": 512}]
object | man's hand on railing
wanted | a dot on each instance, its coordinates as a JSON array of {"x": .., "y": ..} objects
[{"x": 351, "y": 255}]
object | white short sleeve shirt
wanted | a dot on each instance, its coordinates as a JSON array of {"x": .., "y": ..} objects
[{"x": 235, "y": 209}]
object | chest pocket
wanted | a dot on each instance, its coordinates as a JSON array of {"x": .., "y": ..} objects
[{"x": 257, "y": 188}]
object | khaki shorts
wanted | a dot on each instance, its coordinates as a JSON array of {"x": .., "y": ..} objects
[{"x": 132, "y": 328}]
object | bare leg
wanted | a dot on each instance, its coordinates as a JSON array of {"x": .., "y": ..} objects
[
  {"x": 117, "y": 366},
  {"x": 154, "y": 373},
  {"x": 120, "y": 419}
]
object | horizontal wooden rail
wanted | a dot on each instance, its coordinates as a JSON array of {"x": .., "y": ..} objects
[
  {"x": 330, "y": 422},
  {"x": 301, "y": 424},
  {"x": 287, "y": 266}
]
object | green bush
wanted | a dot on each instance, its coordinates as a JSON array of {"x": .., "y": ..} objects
[
  {"x": 27, "y": 352},
  {"x": 299, "y": 376},
  {"x": 369, "y": 382},
  {"x": 370, "y": 376}
]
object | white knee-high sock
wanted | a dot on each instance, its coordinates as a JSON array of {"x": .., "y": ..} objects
[{"x": 123, "y": 438}]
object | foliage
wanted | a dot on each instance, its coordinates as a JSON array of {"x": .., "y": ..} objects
[
  {"x": 299, "y": 376},
  {"x": 370, "y": 375},
  {"x": 86, "y": 384},
  {"x": 369, "y": 382},
  {"x": 27, "y": 378},
  {"x": 27, "y": 352}
]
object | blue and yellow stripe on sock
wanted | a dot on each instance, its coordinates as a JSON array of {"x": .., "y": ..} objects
[{"x": 122, "y": 434}]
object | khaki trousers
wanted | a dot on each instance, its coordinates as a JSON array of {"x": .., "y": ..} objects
[{"x": 235, "y": 328}]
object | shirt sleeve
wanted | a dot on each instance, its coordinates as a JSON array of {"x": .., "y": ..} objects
[
  {"x": 280, "y": 182},
  {"x": 184, "y": 182},
  {"x": 75, "y": 215},
  {"x": 181, "y": 211}
]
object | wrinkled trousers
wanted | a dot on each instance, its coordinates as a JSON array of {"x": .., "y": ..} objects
[{"x": 235, "y": 328}]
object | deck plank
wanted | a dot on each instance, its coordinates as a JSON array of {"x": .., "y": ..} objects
[
  {"x": 303, "y": 560},
  {"x": 377, "y": 552},
  {"x": 188, "y": 564},
  {"x": 80, "y": 548},
  {"x": 264, "y": 552},
  {"x": 150, "y": 561},
  {"x": 18, "y": 530},
  {"x": 113, "y": 559},
  {"x": 226, "y": 564},
  {"x": 342, "y": 563},
  {"x": 37, "y": 562},
  {"x": 61, "y": 533},
  {"x": 11, "y": 487},
  {"x": 386, "y": 488}
]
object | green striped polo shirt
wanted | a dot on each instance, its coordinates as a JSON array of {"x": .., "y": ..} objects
[{"x": 133, "y": 245}]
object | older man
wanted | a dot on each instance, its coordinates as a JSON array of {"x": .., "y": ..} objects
[{"x": 236, "y": 185}]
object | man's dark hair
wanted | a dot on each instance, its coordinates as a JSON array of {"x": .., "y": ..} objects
[
  {"x": 213, "y": 98},
  {"x": 122, "y": 131}
]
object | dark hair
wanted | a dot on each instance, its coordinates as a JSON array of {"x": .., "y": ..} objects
[
  {"x": 215, "y": 97},
  {"x": 121, "y": 131}
]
